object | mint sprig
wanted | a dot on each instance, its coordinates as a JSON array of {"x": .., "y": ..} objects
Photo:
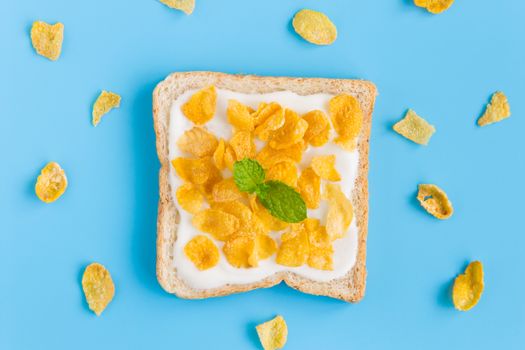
[
  {"x": 248, "y": 174},
  {"x": 281, "y": 200}
]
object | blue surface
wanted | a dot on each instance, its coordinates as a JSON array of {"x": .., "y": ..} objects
[{"x": 445, "y": 67}]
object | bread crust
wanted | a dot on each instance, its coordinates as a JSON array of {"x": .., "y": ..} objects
[{"x": 350, "y": 287}]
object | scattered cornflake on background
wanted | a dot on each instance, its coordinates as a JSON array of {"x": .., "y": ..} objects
[
  {"x": 105, "y": 102},
  {"x": 47, "y": 39},
  {"x": 434, "y": 6},
  {"x": 497, "y": 110},
  {"x": 415, "y": 128},
  {"x": 51, "y": 183},
  {"x": 273, "y": 334},
  {"x": 468, "y": 287},
  {"x": 435, "y": 201},
  {"x": 185, "y": 6},
  {"x": 314, "y": 27},
  {"x": 98, "y": 287}
]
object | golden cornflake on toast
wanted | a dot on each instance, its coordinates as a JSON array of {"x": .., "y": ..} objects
[
  {"x": 240, "y": 116},
  {"x": 268, "y": 118},
  {"x": 190, "y": 197},
  {"x": 347, "y": 119},
  {"x": 306, "y": 243},
  {"x": 285, "y": 171},
  {"x": 340, "y": 211},
  {"x": 309, "y": 185},
  {"x": 201, "y": 106},
  {"x": 318, "y": 131},
  {"x": 202, "y": 252},
  {"x": 198, "y": 142},
  {"x": 324, "y": 166},
  {"x": 216, "y": 222}
]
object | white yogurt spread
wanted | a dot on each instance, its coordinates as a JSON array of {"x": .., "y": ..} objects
[{"x": 345, "y": 249}]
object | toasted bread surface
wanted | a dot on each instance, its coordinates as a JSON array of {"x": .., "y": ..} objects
[{"x": 350, "y": 287}]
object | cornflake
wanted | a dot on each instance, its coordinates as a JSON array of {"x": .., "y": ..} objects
[
  {"x": 225, "y": 191},
  {"x": 324, "y": 166},
  {"x": 47, "y": 39},
  {"x": 321, "y": 258},
  {"x": 265, "y": 247},
  {"x": 340, "y": 211},
  {"x": 497, "y": 110},
  {"x": 321, "y": 138},
  {"x": 306, "y": 243},
  {"x": 200, "y": 108},
  {"x": 315, "y": 27},
  {"x": 434, "y": 6},
  {"x": 468, "y": 287},
  {"x": 269, "y": 156},
  {"x": 243, "y": 145},
  {"x": 202, "y": 252},
  {"x": 347, "y": 117},
  {"x": 218, "y": 155},
  {"x": 294, "y": 249},
  {"x": 214, "y": 177},
  {"x": 321, "y": 250},
  {"x": 98, "y": 287},
  {"x": 415, "y": 128},
  {"x": 270, "y": 221},
  {"x": 239, "y": 251},
  {"x": 435, "y": 201},
  {"x": 185, "y": 6},
  {"x": 290, "y": 133},
  {"x": 105, "y": 102},
  {"x": 239, "y": 116},
  {"x": 237, "y": 209},
  {"x": 190, "y": 198},
  {"x": 318, "y": 131},
  {"x": 309, "y": 186},
  {"x": 200, "y": 171},
  {"x": 229, "y": 157},
  {"x": 216, "y": 222},
  {"x": 268, "y": 118},
  {"x": 198, "y": 142},
  {"x": 51, "y": 183},
  {"x": 273, "y": 334},
  {"x": 284, "y": 171}
]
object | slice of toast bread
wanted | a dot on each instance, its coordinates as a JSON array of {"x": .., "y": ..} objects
[{"x": 350, "y": 287}]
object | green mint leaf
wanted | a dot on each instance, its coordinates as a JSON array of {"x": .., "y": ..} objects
[
  {"x": 248, "y": 174},
  {"x": 282, "y": 201}
]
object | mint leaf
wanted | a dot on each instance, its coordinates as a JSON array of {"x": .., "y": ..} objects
[
  {"x": 282, "y": 201},
  {"x": 248, "y": 174}
]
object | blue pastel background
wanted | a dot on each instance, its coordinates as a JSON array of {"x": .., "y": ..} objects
[{"x": 445, "y": 67}]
